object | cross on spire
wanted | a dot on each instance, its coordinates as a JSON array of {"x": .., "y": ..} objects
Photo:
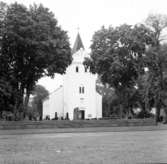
[{"x": 78, "y": 29}]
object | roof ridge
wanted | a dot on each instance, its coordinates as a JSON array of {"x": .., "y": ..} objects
[{"x": 57, "y": 89}]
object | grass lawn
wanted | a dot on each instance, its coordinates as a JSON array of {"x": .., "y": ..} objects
[{"x": 85, "y": 148}]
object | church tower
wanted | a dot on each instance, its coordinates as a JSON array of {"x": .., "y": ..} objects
[{"x": 81, "y": 101}]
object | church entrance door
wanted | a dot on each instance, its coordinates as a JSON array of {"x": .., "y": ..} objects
[
  {"x": 79, "y": 114},
  {"x": 82, "y": 114}
]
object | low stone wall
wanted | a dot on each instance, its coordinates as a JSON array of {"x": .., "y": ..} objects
[{"x": 74, "y": 124}]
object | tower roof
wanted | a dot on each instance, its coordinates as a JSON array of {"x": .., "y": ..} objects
[{"x": 78, "y": 44}]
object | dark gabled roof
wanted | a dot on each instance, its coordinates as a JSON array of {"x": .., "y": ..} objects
[{"x": 78, "y": 44}]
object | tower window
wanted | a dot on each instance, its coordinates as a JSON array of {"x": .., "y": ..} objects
[
  {"x": 81, "y": 90},
  {"x": 77, "y": 69}
]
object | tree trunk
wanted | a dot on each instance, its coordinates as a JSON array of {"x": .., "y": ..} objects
[
  {"x": 19, "y": 99},
  {"x": 157, "y": 113},
  {"x": 40, "y": 109},
  {"x": 121, "y": 110},
  {"x": 165, "y": 117},
  {"x": 108, "y": 109},
  {"x": 121, "y": 100},
  {"x": 26, "y": 100}
]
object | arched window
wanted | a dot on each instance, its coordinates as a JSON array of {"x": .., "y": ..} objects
[
  {"x": 77, "y": 69},
  {"x": 81, "y": 90}
]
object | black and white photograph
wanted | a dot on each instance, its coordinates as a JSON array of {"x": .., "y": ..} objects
[{"x": 83, "y": 82}]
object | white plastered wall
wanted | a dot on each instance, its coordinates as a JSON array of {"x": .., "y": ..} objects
[
  {"x": 54, "y": 104},
  {"x": 72, "y": 81}
]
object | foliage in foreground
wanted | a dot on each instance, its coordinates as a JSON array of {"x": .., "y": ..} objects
[
  {"x": 32, "y": 45},
  {"x": 121, "y": 56}
]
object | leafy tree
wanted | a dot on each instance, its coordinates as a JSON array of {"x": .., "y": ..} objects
[
  {"x": 39, "y": 93},
  {"x": 32, "y": 46},
  {"x": 157, "y": 24},
  {"x": 108, "y": 96},
  {"x": 5, "y": 87},
  {"x": 156, "y": 59},
  {"x": 117, "y": 56}
]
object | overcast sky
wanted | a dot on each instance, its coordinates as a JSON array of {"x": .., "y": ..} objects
[{"x": 90, "y": 15}]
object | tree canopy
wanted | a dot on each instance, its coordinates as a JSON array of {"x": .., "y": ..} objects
[
  {"x": 121, "y": 56},
  {"x": 156, "y": 59},
  {"x": 33, "y": 45},
  {"x": 117, "y": 56}
]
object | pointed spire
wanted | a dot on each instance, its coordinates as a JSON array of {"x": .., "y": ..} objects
[{"x": 78, "y": 44}]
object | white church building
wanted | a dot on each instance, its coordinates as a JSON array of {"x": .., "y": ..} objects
[{"x": 78, "y": 96}]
